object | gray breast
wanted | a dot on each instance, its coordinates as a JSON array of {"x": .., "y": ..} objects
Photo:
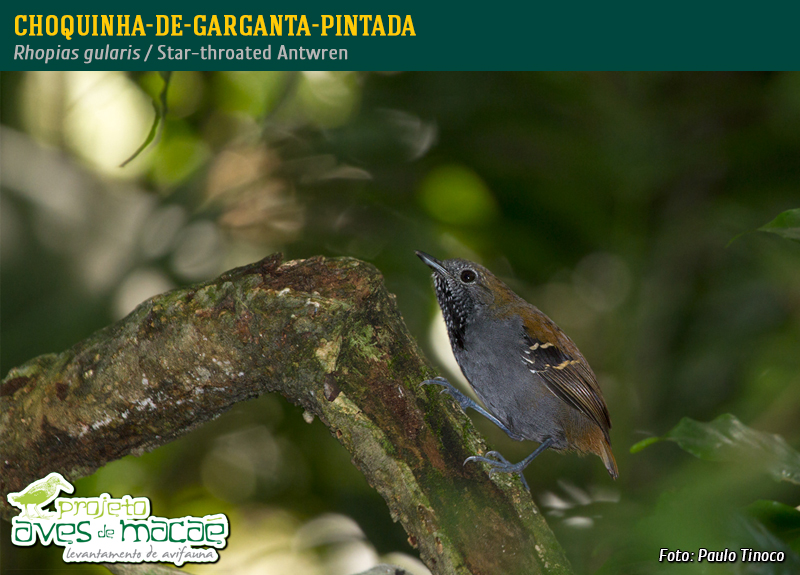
[{"x": 493, "y": 361}]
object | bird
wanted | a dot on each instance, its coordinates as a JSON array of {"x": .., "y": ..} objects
[
  {"x": 535, "y": 383},
  {"x": 39, "y": 493}
]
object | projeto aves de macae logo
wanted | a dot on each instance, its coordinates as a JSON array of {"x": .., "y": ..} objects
[{"x": 108, "y": 530}]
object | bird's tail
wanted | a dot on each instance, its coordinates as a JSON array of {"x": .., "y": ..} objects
[{"x": 608, "y": 459}]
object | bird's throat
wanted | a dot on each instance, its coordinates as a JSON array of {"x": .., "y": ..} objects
[{"x": 456, "y": 308}]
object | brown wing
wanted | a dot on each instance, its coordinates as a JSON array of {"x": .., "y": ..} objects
[{"x": 556, "y": 360}]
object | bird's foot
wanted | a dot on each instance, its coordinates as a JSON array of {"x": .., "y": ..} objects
[
  {"x": 500, "y": 464},
  {"x": 450, "y": 390}
]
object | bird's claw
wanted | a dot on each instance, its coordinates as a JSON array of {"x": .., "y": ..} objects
[
  {"x": 500, "y": 464},
  {"x": 450, "y": 390},
  {"x": 438, "y": 381},
  {"x": 497, "y": 461}
]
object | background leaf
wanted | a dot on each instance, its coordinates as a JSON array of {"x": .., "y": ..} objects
[
  {"x": 728, "y": 439},
  {"x": 762, "y": 539},
  {"x": 781, "y": 519},
  {"x": 786, "y": 224}
]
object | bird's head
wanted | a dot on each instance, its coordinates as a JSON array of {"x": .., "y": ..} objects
[
  {"x": 464, "y": 289},
  {"x": 55, "y": 479}
]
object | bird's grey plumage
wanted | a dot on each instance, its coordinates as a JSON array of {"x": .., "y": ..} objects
[{"x": 524, "y": 369}]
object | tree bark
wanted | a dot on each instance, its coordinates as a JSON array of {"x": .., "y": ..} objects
[{"x": 325, "y": 334}]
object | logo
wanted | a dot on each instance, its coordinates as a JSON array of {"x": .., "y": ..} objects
[{"x": 107, "y": 530}]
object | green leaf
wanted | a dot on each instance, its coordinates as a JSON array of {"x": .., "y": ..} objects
[
  {"x": 786, "y": 224},
  {"x": 763, "y": 539},
  {"x": 779, "y": 518},
  {"x": 728, "y": 439},
  {"x": 161, "y": 113}
]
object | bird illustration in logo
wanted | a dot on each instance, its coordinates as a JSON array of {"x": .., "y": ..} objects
[{"x": 38, "y": 494}]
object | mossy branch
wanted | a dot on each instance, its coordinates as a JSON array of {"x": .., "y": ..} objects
[{"x": 325, "y": 334}]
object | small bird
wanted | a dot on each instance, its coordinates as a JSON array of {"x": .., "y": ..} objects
[{"x": 533, "y": 380}]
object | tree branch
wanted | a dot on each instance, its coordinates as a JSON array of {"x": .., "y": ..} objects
[{"x": 325, "y": 334}]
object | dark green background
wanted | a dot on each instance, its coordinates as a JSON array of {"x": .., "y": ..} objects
[{"x": 607, "y": 199}]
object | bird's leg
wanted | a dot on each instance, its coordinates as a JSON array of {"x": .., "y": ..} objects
[
  {"x": 501, "y": 464},
  {"x": 465, "y": 402}
]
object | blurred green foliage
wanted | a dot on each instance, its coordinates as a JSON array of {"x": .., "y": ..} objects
[{"x": 607, "y": 199}]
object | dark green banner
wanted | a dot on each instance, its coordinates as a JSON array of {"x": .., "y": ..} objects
[{"x": 407, "y": 35}]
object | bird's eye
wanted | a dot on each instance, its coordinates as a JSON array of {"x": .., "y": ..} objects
[{"x": 468, "y": 276}]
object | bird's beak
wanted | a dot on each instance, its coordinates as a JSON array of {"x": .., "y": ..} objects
[{"x": 432, "y": 263}]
